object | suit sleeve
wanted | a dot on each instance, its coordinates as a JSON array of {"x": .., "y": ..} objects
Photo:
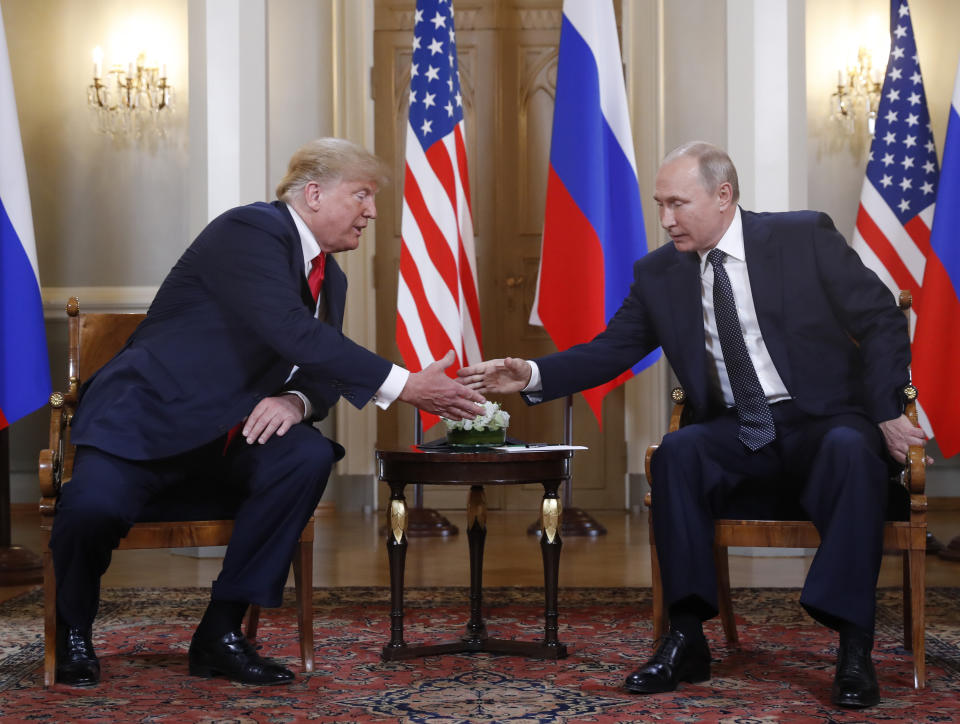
[
  {"x": 628, "y": 337},
  {"x": 871, "y": 316},
  {"x": 248, "y": 271}
]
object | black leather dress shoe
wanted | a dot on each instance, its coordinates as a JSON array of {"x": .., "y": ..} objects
[
  {"x": 232, "y": 656},
  {"x": 855, "y": 683},
  {"x": 77, "y": 663},
  {"x": 676, "y": 659}
]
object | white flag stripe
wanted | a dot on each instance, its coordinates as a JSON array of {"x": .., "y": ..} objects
[
  {"x": 13, "y": 169},
  {"x": 433, "y": 192},
  {"x": 441, "y": 301},
  {"x": 883, "y": 217},
  {"x": 594, "y": 22},
  {"x": 407, "y": 309},
  {"x": 872, "y": 261}
]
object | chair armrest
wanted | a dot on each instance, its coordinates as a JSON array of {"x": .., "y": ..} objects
[
  {"x": 914, "y": 475},
  {"x": 52, "y": 459},
  {"x": 679, "y": 398}
]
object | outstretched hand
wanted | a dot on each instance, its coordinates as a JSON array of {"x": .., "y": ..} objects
[
  {"x": 496, "y": 376},
  {"x": 431, "y": 390},
  {"x": 900, "y": 434}
]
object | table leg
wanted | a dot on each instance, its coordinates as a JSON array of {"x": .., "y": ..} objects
[
  {"x": 476, "y": 536},
  {"x": 396, "y": 554},
  {"x": 551, "y": 512}
]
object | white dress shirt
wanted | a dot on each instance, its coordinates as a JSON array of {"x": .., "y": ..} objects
[
  {"x": 731, "y": 243},
  {"x": 392, "y": 386}
]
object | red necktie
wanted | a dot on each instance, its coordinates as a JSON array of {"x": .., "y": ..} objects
[{"x": 315, "y": 279}]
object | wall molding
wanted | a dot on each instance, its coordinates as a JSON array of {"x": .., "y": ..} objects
[{"x": 97, "y": 299}]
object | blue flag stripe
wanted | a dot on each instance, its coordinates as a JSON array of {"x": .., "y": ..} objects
[
  {"x": 24, "y": 369},
  {"x": 945, "y": 237}
]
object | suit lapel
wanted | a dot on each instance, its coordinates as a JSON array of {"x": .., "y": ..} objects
[
  {"x": 765, "y": 269},
  {"x": 683, "y": 291},
  {"x": 334, "y": 291}
]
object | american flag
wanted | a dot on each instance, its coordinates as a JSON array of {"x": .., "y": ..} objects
[
  {"x": 438, "y": 308},
  {"x": 900, "y": 189}
]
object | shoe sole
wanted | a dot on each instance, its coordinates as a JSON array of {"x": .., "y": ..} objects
[
  {"x": 695, "y": 676},
  {"x": 207, "y": 672}
]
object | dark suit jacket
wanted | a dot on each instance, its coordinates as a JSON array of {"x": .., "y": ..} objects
[
  {"x": 227, "y": 325},
  {"x": 813, "y": 298}
]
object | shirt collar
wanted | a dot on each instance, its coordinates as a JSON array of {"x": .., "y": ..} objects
[
  {"x": 308, "y": 242},
  {"x": 731, "y": 243}
]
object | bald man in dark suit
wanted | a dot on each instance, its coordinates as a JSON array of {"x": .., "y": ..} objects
[{"x": 793, "y": 356}]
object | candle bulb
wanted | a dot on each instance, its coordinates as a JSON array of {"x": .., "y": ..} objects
[
  {"x": 163, "y": 70},
  {"x": 97, "y": 62}
]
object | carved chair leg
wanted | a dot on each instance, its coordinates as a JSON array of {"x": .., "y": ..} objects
[
  {"x": 918, "y": 564},
  {"x": 252, "y": 621},
  {"x": 722, "y": 565},
  {"x": 907, "y": 603},
  {"x": 303, "y": 578},
  {"x": 656, "y": 588},
  {"x": 49, "y": 620}
]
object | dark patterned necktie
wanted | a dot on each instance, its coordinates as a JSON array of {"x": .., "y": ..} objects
[{"x": 756, "y": 422}]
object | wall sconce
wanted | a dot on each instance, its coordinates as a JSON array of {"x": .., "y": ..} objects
[
  {"x": 130, "y": 101},
  {"x": 858, "y": 93}
]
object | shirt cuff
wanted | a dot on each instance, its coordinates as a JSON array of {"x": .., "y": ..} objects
[
  {"x": 307, "y": 407},
  {"x": 391, "y": 387},
  {"x": 534, "y": 385}
]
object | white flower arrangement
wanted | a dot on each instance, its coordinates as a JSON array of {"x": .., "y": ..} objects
[{"x": 492, "y": 418}]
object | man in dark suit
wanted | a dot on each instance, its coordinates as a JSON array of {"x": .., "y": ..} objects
[
  {"x": 243, "y": 340},
  {"x": 793, "y": 356}
]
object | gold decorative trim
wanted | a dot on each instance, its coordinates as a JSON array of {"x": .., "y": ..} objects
[
  {"x": 397, "y": 519},
  {"x": 550, "y": 512},
  {"x": 477, "y": 507}
]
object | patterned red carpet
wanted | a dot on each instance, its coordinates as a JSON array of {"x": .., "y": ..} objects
[{"x": 781, "y": 673}]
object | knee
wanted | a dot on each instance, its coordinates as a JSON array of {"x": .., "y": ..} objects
[
  {"x": 676, "y": 449},
  {"x": 843, "y": 440},
  {"x": 88, "y": 516}
]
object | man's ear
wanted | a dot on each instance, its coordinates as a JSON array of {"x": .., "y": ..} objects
[
  {"x": 312, "y": 194},
  {"x": 725, "y": 194}
]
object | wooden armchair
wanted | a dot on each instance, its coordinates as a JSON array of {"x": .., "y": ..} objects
[
  {"x": 93, "y": 340},
  {"x": 905, "y": 532}
]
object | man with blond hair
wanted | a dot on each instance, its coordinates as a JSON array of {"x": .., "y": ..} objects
[{"x": 215, "y": 394}]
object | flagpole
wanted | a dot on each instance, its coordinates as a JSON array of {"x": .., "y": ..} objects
[
  {"x": 573, "y": 521},
  {"x": 425, "y": 522},
  {"x": 18, "y": 565}
]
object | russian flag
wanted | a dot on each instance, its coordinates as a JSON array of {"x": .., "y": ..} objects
[
  {"x": 593, "y": 229},
  {"x": 24, "y": 366},
  {"x": 936, "y": 340}
]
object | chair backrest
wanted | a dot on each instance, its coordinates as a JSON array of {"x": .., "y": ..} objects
[{"x": 93, "y": 340}]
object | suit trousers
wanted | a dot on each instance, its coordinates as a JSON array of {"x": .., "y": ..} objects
[
  {"x": 833, "y": 469},
  {"x": 276, "y": 487}
]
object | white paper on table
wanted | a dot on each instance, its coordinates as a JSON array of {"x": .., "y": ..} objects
[{"x": 535, "y": 447}]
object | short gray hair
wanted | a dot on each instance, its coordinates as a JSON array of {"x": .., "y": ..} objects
[
  {"x": 328, "y": 160},
  {"x": 714, "y": 164}
]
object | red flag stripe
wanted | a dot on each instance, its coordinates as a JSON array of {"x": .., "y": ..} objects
[
  {"x": 884, "y": 251},
  {"x": 435, "y": 243}
]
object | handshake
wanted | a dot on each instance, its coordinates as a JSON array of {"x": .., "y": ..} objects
[{"x": 431, "y": 390}]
